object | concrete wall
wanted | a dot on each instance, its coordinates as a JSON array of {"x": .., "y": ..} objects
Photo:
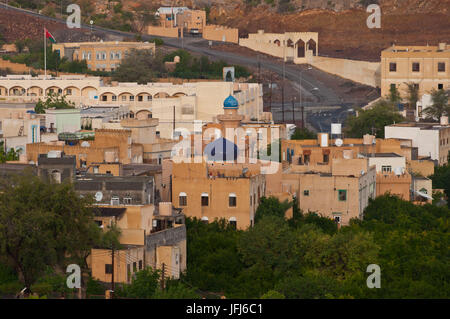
[
  {"x": 221, "y": 33},
  {"x": 164, "y": 32},
  {"x": 358, "y": 71}
]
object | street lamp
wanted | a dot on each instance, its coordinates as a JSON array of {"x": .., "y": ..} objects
[{"x": 300, "y": 94}]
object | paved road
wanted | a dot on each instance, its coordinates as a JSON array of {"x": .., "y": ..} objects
[{"x": 309, "y": 86}]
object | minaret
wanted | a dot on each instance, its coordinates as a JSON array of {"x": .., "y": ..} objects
[{"x": 230, "y": 118}]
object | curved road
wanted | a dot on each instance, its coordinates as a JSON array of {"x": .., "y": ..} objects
[{"x": 309, "y": 86}]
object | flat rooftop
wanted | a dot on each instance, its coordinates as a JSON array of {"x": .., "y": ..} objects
[
  {"x": 422, "y": 126},
  {"x": 383, "y": 155},
  {"x": 418, "y": 48}
]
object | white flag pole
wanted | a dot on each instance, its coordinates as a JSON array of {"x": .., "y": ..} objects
[{"x": 45, "y": 54}]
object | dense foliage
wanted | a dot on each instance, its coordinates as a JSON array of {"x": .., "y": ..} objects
[
  {"x": 373, "y": 120},
  {"x": 44, "y": 226},
  {"x": 303, "y": 134},
  {"x": 191, "y": 67},
  {"x": 53, "y": 101},
  {"x": 308, "y": 257},
  {"x": 441, "y": 179},
  {"x": 10, "y": 155}
]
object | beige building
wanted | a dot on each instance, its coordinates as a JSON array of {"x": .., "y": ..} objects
[
  {"x": 100, "y": 56},
  {"x": 298, "y": 47},
  {"x": 340, "y": 192},
  {"x": 425, "y": 66},
  {"x": 150, "y": 236},
  {"x": 184, "y": 104},
  {"x": 215, "y": 191}
]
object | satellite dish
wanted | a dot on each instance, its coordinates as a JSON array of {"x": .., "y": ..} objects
[
  {"x": 244, "y": 170},
  {"x": 339, "y": 142},
  {"x": 98, "y": 196},
  {"x": 398, "y": 171},
  {"x": 85, "y": 144}
]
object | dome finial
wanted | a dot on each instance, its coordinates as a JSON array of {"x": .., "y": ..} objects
[{"x": 230, "y": 103}]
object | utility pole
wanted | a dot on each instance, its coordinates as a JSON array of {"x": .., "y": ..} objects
[
  {"x": 271, "y": 91},
  {"x": 112, "y": 272},
  {"x": 293, "y": 112},
  {"x": 173, "y": 124},
  {"x": 303, "y": 116}
]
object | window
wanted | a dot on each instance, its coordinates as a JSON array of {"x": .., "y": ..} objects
[
  {"x": 232, "y": 200},
  {"x": 205, "y": 199},
  {"x": 115, "y": 201},
  {"x": 127, "y": 200},
  {"x": 108, "y": 268},
  {"x": 124, "y": 97},
  {"x": 140, "y": 98},
  {"x": 392, "y": 67},
  {"x": 182, "y": 198},
  {"x": 393, "y": 87},
  {"x": 140, "y": 264},
  {"x": 441, "y": 66},
  {"x": 69, "y": 91},
  {"x": 118, "y": 55},
  {"x": 306, "y": 192},
  {"x": 128, "y": 272},
  {"x": 114, "y": 98},
  {"x": 131, "y": 98},
  {"x": 104, "y": 98},
  {"x": 326, "y": 158},
  {"x": 386, "y": 169},
  {"x": 440, "y": 86},
  {"x": 233, "y": 222},
  {"x": 342, "y": 195},
  {"x": 134, "y": 267},
  {"x": 111, "y": 55},
  {"x": 337, "y": 219},
  {"x": 416, "y": 67},
  {"x": 149, "y": 97}
]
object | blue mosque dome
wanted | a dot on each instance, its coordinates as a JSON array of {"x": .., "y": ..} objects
[
  {"x": 230, "y": 103},
  {"x": 221, "y": 150}
]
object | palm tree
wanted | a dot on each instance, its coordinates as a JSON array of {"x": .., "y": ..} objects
[{"x": 440, "y": 105}]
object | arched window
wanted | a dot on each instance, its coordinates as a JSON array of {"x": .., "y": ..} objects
[
  {"x": 182, "y": 197},
  {"x": 233, "y": 222},
  {"x": 205, "y": 199},
  {"x": 232, "y": 200}
]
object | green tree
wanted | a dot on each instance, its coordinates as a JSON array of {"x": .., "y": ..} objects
[
  {"x": 394, "y": 95},
  {"x": 141, "y": 66},
  {"x": 440, "y": 105},
  {"x": 144, "y": 284},
  {"x": 271, "y": 207},
  {"x": 53, "y": 101},
  {"x": 43, "y": 225},
  {"x": 372, "y": 120},
  {"x": 413, "y": 94},
  {"x": 303, "y": 134}
]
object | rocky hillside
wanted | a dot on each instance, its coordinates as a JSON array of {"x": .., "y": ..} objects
[{"x": 341, "y": 23}]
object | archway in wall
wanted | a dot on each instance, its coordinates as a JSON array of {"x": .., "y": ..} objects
[
  {"x": 277, "y": 42},
  {"x": 300, "y": 49},
  {"x": 290, "y": 43},
  {"x": 178, "y": 94},
  {"x": 161, "y": 95},
  {"x": 3, "y": 91},
  {"x": 34, "y": 91},
  {"x": 17, "y": 91},
  {"x": 312, "y": 46}
]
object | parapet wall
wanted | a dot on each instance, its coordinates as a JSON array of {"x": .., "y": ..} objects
[
  {"x": 164, "y": 32},
  {"x": 221, "y": 33},
  {"x": 368, "y": 73}
]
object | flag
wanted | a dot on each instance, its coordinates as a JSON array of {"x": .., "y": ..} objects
[{"x": 49, "y": 36}]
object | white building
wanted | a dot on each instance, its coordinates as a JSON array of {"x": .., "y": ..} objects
[
  {"x": 176, "y": 105},
  {"x": 431, "y": 139}
]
